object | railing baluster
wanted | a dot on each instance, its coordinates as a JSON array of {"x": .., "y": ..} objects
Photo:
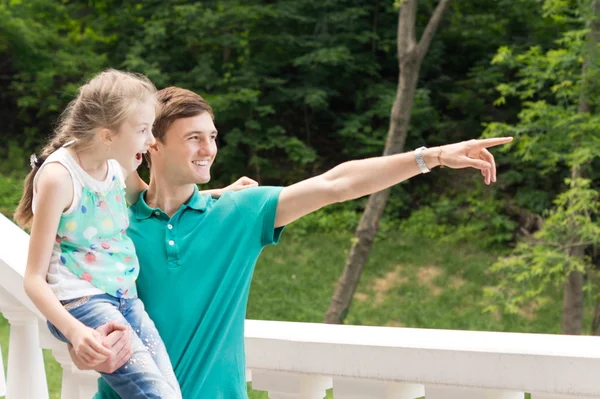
[
  {"x": 281, "y": 385},
  {"x": 551, "y": 396},
  {"x": 346, "y": 388},
  {"x": 443, "y": 392},
  {"x": 25, "y": 376},
  {"x": 76, "y": 384},
  {"x": 405, "y": 391},
  {"x": 2, "y": 379}
]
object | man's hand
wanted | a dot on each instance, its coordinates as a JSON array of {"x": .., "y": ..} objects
[
  {"x": 117, "y": 338},
  {"x": 241, "y": 184},
  {"x": 87, "y": 344},
  {"x": 470, "y": 154}
]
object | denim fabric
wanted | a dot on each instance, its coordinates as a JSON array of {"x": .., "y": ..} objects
[{"x": 148, "y": 374}]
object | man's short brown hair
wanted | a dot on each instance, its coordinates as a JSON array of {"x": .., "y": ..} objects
[{"x": 176, "y": 103}]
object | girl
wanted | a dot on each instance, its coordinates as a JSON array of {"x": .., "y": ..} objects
[{"x": 81, "y": 266}]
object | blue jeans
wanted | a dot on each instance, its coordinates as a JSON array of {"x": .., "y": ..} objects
[{"x": 148, "y": 373}]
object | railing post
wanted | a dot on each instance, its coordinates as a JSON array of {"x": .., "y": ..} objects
[{"x": 25, "y": 376}]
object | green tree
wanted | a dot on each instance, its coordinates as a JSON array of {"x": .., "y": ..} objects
[
  {"x": 557, "y": 131},
  {"x": 410, "y": 57},
  {"x": 45, "y": 53}
]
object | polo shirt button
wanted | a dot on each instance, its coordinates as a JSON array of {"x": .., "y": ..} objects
[
  {"x": 169, "y": 226},
  {"x": 171, "y": 242},
  {"x": 156, "y": 213}
]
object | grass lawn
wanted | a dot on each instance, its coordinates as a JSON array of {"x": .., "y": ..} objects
[{"x": 407, "y": 282}]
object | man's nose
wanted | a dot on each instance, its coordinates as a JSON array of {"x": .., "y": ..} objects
[{"x": 208, "y": 148}]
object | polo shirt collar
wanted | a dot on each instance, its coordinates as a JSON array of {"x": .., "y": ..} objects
[
  {"x": 141, "y": 210},
  {"x": 197, "y": 201}
]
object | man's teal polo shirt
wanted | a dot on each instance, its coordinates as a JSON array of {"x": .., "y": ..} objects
[{"x": 195, "y": 273}]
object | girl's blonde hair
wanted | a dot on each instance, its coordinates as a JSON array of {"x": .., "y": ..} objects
[{"x": 105, "y": 101}]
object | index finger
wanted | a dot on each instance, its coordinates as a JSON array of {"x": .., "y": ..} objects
[{"x": 495, "y": 141}]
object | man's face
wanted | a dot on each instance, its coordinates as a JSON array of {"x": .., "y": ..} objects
[{"x": 187, "y": 150}]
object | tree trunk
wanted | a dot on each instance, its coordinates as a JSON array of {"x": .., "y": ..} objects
[
  {"x": 596, "y": 320},
  {"x": 375, "y": 23},
  {"x": 573, "y": 299},
  {"x": 410, "y": 57}
]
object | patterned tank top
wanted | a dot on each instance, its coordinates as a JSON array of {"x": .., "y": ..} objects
[{"x": 93, "y": 243}]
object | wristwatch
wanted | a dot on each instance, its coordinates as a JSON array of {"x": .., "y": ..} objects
[{"x": 420, "y": 160}]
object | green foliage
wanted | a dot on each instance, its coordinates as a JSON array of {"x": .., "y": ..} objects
[
  {"x": 550, "y": 133},
  {"x": 337, "y": 218},
  {"x": 540, "y": 266},
  {"x": 47, "y": 50},
  {"x": 297, "y": 86},
  {"x": 462, "y": 219},
  {"x": 573, "y": 221},
  {"x": 11, "y": 189},
  {"x": 560, "y": 138}
]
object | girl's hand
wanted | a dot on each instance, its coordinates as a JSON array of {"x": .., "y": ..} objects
[
  {"x": 241, "y": 184},
  {"x": 116, "y": 337},
  {"x": 87, "y": 344}
]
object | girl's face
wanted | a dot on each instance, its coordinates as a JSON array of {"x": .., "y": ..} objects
[{"x": 134, "y": 137}]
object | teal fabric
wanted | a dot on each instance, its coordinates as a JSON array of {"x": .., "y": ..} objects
[
  {"x": 194, "y": 281},
  {"x": 93, "y": 243}
]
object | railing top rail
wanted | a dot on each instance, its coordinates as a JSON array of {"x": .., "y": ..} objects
[
  {"x": 552, "y": 345},
  {"x": 538, "y": 363}
]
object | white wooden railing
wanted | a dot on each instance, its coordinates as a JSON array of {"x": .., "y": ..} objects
[{"x": 303, "y": 360}]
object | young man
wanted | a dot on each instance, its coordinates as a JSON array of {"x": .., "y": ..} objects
[{"x": 197, "y": 254}]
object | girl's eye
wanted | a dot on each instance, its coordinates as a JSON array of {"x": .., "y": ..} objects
[{"x": 144, "y": 130}]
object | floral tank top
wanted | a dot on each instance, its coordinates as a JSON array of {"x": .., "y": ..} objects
[{"x": 93, "y": 241}]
